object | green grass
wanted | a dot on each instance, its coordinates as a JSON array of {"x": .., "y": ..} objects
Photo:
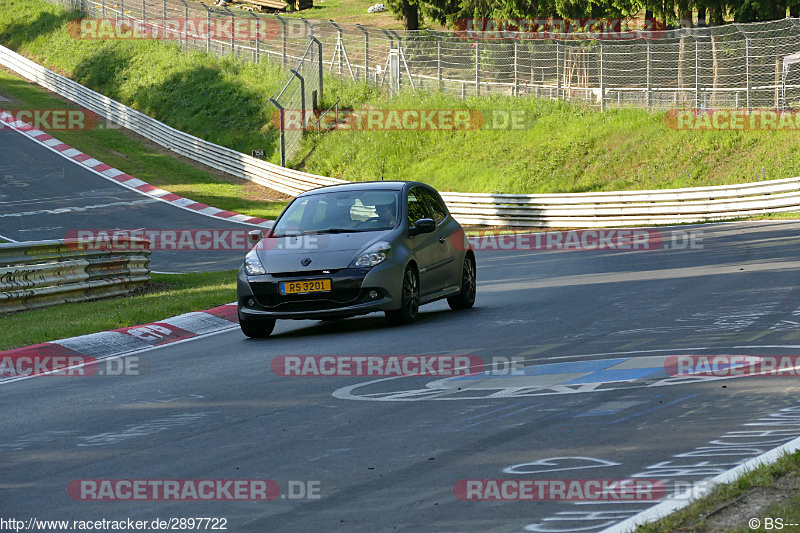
[
  {"x": 155, "y": 166},
  {"x": 562, "y": 148},
  {"x": 223, "y": 100},
  {"x": 349, "y": 12},
  {"x": 693, "y": 517},
  {"x": 168, "y": 295}
]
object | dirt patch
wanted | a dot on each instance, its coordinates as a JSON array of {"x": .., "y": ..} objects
[{"x": 735, "y": 514}]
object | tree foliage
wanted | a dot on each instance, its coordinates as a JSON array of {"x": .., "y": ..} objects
[{"x": 685, "y": 13}]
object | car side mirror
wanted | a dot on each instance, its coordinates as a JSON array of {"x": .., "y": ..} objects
[
  {"x": 423, "y": 225},
  {"x": 253, "y": 237}
]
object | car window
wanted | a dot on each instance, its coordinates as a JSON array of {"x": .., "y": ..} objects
[
  {"x": 434, "y": 205},
  {"x": 417, "y": 207},
  {"x": 340, "y": 211}
]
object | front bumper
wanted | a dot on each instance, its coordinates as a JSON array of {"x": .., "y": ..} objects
[{"x": 350, "y": 294}]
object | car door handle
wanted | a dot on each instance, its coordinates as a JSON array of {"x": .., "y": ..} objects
[{"x": 441, "y": 240}]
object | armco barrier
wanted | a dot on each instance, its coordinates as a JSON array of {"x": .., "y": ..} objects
[
  {"x": 43, "y": 273},
  {"x": 528, "y": 210}
]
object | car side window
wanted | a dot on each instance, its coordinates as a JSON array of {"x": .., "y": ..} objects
[
  {"x": 434, "y": 205},
  {"x": 417, "y": 206}
]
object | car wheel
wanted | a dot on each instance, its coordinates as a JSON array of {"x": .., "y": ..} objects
[
  {"x": 466, "y": 298},
  {"x": 256, "y": 328},
  {"x": 409, "y": 299}
]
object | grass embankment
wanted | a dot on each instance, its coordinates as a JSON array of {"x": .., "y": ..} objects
[
  {"x": 165, "y": 296},
  {"x": 562, "y": 148},
  {"x": 731, "y": 506}
]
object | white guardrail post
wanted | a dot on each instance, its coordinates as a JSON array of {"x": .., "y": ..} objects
[
  {"x": 532, "y": 210},
  {"x": 43, "y": 273}
]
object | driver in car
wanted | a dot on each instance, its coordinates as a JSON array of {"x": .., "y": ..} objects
[{"x": 386, "y": 214}]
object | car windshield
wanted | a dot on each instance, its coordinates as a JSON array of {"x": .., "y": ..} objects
[{"x": 340, "y": 212}]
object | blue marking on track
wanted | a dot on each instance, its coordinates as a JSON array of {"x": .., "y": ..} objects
[
  {"x": 576, "y": 367},
  {"x": 610, "y": 376}
]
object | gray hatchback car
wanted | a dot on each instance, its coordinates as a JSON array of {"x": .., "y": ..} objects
[{"x": 352, "y": 249}]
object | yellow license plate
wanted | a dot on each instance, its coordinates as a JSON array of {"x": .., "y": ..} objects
[{"x": 311, "y": 285}]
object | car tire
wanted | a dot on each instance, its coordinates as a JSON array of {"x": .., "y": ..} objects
[
  {"x": 409, "y": 299},
  {"x": 256, "y": 328},
  {"x": 466, "y": 298}
]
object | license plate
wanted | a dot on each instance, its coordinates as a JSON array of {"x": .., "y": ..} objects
[{"x": 299, "y": 287}]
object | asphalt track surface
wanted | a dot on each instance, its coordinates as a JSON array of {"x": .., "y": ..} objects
[
  {"x": 386, "y": 454},
  {"x": 45, "y": 196}
]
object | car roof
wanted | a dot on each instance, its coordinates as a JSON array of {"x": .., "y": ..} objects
[{"x": 393, "y": 185}]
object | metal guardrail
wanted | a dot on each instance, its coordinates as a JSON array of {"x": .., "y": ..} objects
[
  {"x": 533, "y": 210},
  {"x": 213, "y": 155},
  {"x": 43, "y": 273}
]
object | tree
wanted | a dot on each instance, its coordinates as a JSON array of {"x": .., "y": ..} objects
[{"x": 406, "y": 10}]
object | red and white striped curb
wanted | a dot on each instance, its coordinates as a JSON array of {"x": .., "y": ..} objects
[
  {"x": 113, "y": 174},
  {"x": 116, "y": 342}
]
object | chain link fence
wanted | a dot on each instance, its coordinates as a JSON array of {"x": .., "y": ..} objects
[
  {"x": 737, "y": 65},
  {"x": 299, "y": 94}
]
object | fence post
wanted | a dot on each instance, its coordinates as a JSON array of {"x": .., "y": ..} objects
[
  {"x": 319, "y": 66},
  {"x": 309, "y": 26},
  {"x": 477, "y": 67},
  {"x": 649, "y": 78},
  {"x": 103, "y": 8},
  {"x": 696, "y": 72},
  {"x": 164, "y": 19},
  {"x": 602, "y": 81},
  {"x": 559, "y": 60},
  {"x": 257, "y": 54},
  {"x": 516, "y": 68},
  {"x": 281, "y": 113},
  {"x": 185, "y": 25},
  {"x": 439, "y": 61},
  {"x": 283, "y": 45},
  {"x": 400, "y": 56},
  {"x": 747, "y": 62},
  {"x": 233, "y": 25},
  {"x": 144, "y": 14},
  {"x": 208, "y": 25},
  {"x": 366, "y": 51}
]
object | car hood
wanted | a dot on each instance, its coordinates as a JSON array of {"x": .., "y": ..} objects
[{"x": 327, "y": 251}]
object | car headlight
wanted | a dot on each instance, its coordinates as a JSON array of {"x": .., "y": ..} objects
[
  {"x": 252, "y": 265},
  {"x": 374, "y": 255}
]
